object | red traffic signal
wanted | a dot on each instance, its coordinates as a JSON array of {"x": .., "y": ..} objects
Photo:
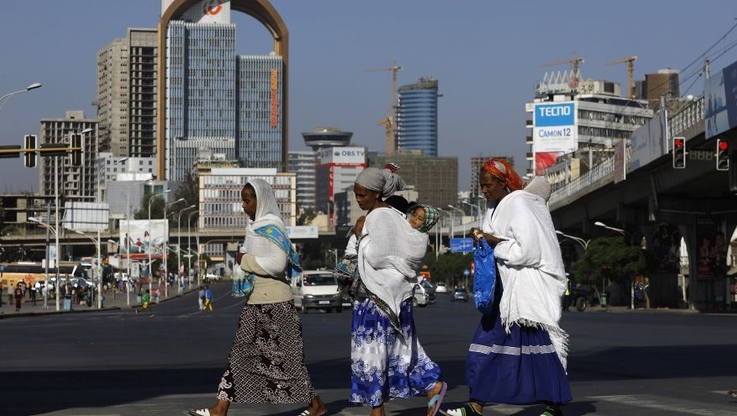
[
  {"x": 679, "y": 153},
  {"x": 722, "y": 154}
]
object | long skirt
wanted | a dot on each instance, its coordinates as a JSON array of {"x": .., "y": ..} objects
[
  {"x": 386, "y": 362},
  {"x": 521, "y": 367},
  {"x": 266, "y": 362}
]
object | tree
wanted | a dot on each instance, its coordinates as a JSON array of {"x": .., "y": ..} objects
[
  {"x": 610, "y": 258},
  {"x": 306, "y": 216}
]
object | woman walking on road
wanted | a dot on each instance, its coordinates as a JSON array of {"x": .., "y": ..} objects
[
  {"x": 518, "y": 354},
  {"x": 266, "y": 362},
  {"x": 387, "y": 360}
]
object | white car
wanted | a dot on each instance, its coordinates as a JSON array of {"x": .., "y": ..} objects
[{"x": 440, "y": 287}]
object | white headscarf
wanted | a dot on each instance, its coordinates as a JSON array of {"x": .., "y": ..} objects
[{"x": 266, "y": 207}]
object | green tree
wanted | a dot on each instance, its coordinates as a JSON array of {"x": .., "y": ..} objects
[
  {"x": 449, "y": 267},
  {"x": 306, "y": 216},
  {"x": 610, "y": 258}
]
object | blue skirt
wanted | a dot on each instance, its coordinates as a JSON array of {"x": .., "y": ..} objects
[
  {"x": 385, "y": 362},
  {"x": 521, "y": 367}
]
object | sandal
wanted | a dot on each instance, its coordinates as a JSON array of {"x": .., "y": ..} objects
[
  {"x": 437, "y": 400},
  {"x": 465, "y": 410},
  {"x": 198, "y": 412}
]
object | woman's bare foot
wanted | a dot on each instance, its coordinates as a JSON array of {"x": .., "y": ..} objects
[
  {"x": 378, "y": 411},
  {"x": 317, "y": 407}
]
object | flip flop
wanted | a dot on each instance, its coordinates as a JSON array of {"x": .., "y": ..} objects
[
  {"x": 198, "y": 412},
  {"x": 437, "y": 399}
]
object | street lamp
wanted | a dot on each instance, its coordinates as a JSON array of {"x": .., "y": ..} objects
[
  {"x": 99, "y": 265},
  {"x": 5, "y": 98},
  {"x": 579, "y": 240},
  {"x": 461, "y": 221},
  {"x": 473, "y": 208},
  {"x": 56, "y": 259},
  {"x": 164, "y": 247},
  {"x": 441, "y": 211},
  {"x": 643, "y": 245},
  {"x": 151, "y": 239},
  {"x": 189, "y": 247},
  {"x": 179, "y": 243}
]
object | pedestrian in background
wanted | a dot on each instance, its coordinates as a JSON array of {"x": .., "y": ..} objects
[
  {"x": 18, "y": 297},
  {"x": 201, "y": 298},
  {"x": 146, "y": 303},
  {"x": 208, "y": 299}
]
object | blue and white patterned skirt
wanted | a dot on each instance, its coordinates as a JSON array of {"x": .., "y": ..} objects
[
  {"x": 521, "y": 367},
  {"x": 386, "y": 363}
]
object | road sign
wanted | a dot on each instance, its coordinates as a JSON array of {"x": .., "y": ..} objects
[
  {"x": 461, "y": 245},
  {"x": 466, "y": 272}
]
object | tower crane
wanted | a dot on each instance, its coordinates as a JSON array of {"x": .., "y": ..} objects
[
  {"x": 630, "y": 69},
  {"x": 573, "y": 82},
  {"x": 391, "y": 119}
]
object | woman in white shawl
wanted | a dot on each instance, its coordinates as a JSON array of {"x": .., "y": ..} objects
[
  {"x": 387, "y": 360},
  {"x": 518, "y": 354},
  {"x": 266, "y": 362}
]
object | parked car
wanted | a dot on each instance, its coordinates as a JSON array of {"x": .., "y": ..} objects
[
  {"x": 440, "y": 287},
  {"x": 459, "y": 294}
]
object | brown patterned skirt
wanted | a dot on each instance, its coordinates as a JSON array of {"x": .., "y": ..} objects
[{"x": 266, "y": 362}]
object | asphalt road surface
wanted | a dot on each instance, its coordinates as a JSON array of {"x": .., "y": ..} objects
[{"x": 116, "y": 362}]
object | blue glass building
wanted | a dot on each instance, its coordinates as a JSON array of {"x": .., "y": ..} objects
[
  {"x": 219, "y": 103},
  {"x": 417, "y": 117}
]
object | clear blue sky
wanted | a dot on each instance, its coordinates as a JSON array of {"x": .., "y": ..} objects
[{"x": 487, "y": 57}]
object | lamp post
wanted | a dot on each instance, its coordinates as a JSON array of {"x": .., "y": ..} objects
[
  {"x": 179, "y": 243},
  {"x": 461, "y": 222},
  {"x": 96, "y": 241},
  {"x": 441, "y": 211},
  {"x": 579, "y": 240},
  {"x": 165, "y": 244},
  {"x": 5, "y": 98},
  {"x": 189, "y": 246},
  {"x": 56, "y": 259},
  {"x": 474, "y": 208},
  {"x": 624, "y": 233},
  {"x": 151, "y": 239}
]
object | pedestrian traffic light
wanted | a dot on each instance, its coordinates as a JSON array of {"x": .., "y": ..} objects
[
  {"x": 679, "y": 153},
  {"x": 30, "y": 144},
  {"x": 76, "y": 149},
  {"x": 722, "y": 154}
]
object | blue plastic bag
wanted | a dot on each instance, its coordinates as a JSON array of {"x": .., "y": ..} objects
[{"x": 484, "y": 276}]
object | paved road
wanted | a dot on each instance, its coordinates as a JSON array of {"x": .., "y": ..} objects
[{"x": 114, "y": 362}]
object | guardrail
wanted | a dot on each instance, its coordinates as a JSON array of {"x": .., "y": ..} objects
[{"x": 603, "y": 174}]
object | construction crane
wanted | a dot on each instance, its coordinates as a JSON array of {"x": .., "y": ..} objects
[
  {"x": 630, "y": 70},
  {"x": 573, "y": 82},
  {"x": 392, "y": 115}
]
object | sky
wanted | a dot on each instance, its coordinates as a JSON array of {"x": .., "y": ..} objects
[{"x": 487, "y": 56}]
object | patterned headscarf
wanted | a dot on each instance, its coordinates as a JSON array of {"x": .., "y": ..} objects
[
  {"x": 431, "y": 216},
  {"x": 502, "y": 170},
  {"x": 380, "y": 180}
]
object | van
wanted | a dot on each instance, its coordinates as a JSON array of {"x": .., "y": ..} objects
[
  {"x": 316, "y": 289},
  {"x": 423, "y": 293}
]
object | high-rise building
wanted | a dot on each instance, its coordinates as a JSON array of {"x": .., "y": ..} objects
[
  {"x": 337, "y": 169},
  {"x": 303, "y": 164},
  {"x": 126, "y": 94},
  {"x": 77, "y": 183},
  {"x": 434, "y": 178},
  {"x": 574, "y": 129},
  {"x": 417, "y": 117}
]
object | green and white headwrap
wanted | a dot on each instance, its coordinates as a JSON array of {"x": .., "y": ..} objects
[{"x": 431, "y": 217}]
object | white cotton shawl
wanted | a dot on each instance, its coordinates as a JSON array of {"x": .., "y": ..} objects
[
  {"x": 267, "y": 254},
  {"x": 530, "y": 266},
  {"x": 390, "y": 254}
]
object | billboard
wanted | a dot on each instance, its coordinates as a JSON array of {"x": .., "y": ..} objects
[
  {"x": 554, "y": 134},
  {"x": 720, "y": 105},
  {"x": 204, "y": 11},
  {"x": 648, "y": 142},
  {"x": 138, "y": 239},
  {"x": 350, "y": 156}
]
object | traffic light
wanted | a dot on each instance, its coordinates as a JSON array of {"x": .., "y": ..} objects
[
  {"x": 679, "y": 153},
  {"x": 30, "y": 157},
  {"x": 722, "y": 154},
  {"x": 77, "y": 149}
]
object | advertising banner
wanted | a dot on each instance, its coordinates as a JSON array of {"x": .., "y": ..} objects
[
  {"x": 720, "y": 105},
  {"x": 140, "y": 239},
  {"x": 554, "y": 134}
]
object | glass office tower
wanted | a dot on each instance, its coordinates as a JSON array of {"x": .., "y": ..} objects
[{"x": 417, "y": 117}]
